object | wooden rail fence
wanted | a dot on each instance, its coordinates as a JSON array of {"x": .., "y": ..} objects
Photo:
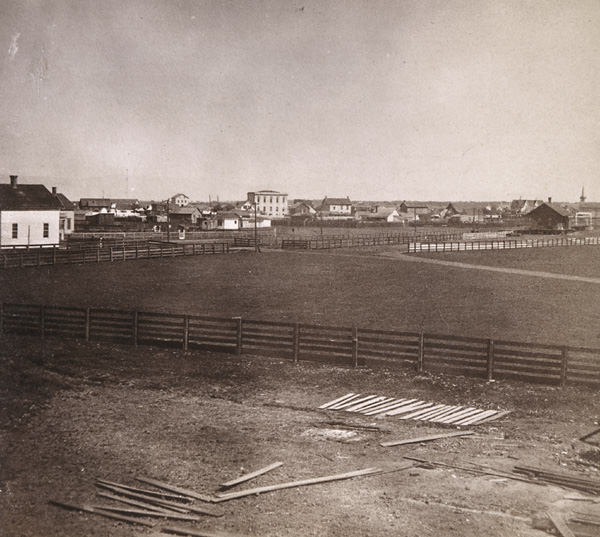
[
  {"x": 54, "y": 256},
  {"x": 470, "y": 356},
  {"x": 326, "y": 243},
  {"x": 469, "y": 246}
]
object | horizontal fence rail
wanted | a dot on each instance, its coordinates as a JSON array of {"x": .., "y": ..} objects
[
  {"x": 470, "y": 356},
  {"x": 357, "y": 241},
  {"x": 56, "y": 256},
  {"x": 474, "y": 246}
]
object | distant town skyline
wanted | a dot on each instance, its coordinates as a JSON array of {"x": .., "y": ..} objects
[{"x": 377, "y": 100}]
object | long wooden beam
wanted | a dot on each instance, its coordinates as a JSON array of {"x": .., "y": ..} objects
[
  {"x": 178, "y": 490},
  {"x": 425, "y": 438},
  {"x": 196, "y": 532},
  {"x": 251, "y": 475},
  {"x": 145, "y": 512},
  {"x": 106, "y": 514}
]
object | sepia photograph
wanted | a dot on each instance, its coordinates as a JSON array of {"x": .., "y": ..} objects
[{"x": 294, "y": 268}]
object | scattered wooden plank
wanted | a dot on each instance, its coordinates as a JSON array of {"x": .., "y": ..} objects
[
  {"x": 560, "y": 525},
  {"x": 345, "y": 425},
  {"x": 145, "y": 512},
  {"x": 425, "y": 438},
  {"x": 178, "y": 490},
  {"x": 372, "y": 406},
  {"x": 389, "y": 406},
  {"x": 196, "y": 532},
  {"x": 413, "y": 415},
  {"x": 351, "y": 404},
  {"x": 475, "y": 418},
  {"x": 495, "y": 417},
  {"x": 428, "y": 414},
  {"x": 453, "y": 416},
  {"x": 292, "y": 484},
  {"x": 450, "y": 410},
  {"x": 129, "y": 501},
  {"x": 251, "y": 475},
  {"x": 409, "y": 408},
  {"x": 107, "y": 514},
  {"x": 338, "y": 400},
  {"x": 364, "y": 404},
  {"x": 586, "y": 437},
  {"x": 584, "y": 520},
  {"x": 344, "y": 402},
  {"x": 147, "y": 492}
]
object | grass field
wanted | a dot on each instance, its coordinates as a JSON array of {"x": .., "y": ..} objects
[{"x": 337, "y": 288}]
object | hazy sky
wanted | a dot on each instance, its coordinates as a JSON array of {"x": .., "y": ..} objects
[{"x": 418, "y": 99}]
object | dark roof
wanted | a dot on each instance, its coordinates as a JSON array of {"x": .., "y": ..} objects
[
  {"x": 337, "y": 201},
  {"x": 27, "y": 198},
  {"x": 65, "y": 203},
  {"x": 120, "y": 203},
  {"x": 184, "y": 210},
  {"x": 556, "y": 208}
]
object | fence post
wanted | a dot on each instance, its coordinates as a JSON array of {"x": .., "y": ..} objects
[
  {"x": 490, "y": 360},
  {"x": 355, "y": 345},
  {"x": 296, "y": 342},
  {"x": 238, "y": 346},
  {"x": 54, "y": 255},
  {"x": 111, "y": 254},
  {"x": 186, "y": 332},
  {"x": 42, "y": 322},
  {"x": 123, "y": 250},
  {"x": 136, "y": 250},
  {"x": 39, "y": 257},
  {"x": 134, "y": 328},
  {"x": 194, "y": 249},
  {"x": 564, "y": 364},
  {"x": 97, "y": 255},
  {"x": 87, "y": 324},
  {"x": 21, "y": 259},
  {"x": 421, "y": 356},
  {"x": 1, "y": 318}
]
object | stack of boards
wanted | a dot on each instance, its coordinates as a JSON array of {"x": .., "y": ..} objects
[{"x": 413, "y": 409}]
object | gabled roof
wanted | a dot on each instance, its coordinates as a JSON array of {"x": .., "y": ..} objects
[
  {"x": 556, "y": 208},
  {"x": 177, "y": 195},
  {"x": 27, "y": 198},
  {"x": 337, "y": 201},
  {"x": 65, "y": 203}
]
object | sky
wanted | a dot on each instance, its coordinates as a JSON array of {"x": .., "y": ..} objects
[{"x": 404, "y": 99}]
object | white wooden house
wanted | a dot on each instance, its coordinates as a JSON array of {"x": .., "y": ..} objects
[{"x": 29, "y": 216}]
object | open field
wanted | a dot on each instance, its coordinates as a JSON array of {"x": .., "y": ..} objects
[
  {"x": 332, "y": 288},
  {"x": 73, "y": 412},
  {"x": 577, "y": 261}
]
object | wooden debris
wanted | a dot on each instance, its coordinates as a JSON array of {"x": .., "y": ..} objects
[
  {"x": 292, "y": 484},
  {"x": 560, "y": 525},
  {"x": 129, "y": 501},
  {"x": 495, "y": 417},
  {"x": 196, "y": 532},
  {"x": 145, "y": 512},
  {"x": 107, "y": 514},
  {"x": 178, "y": 490},
  {"x": 425, "y": 438},
  {"x": 579, "y": 519},
  {"x": 338, "y": 400},
  {"x": 585, "y": 438},
  {"x": 561, "y": 478},
  {"x": 147, "y": 492},
  {"x": 251, "y": 475},
  {"x": 344, "y": 425}
]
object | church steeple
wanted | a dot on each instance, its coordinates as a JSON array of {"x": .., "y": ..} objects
[{"x": 582, "y": 197}]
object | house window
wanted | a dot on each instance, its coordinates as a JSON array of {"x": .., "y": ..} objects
[
  {"x": 15, "y": 231},
  {"x": 68, "y": 223},
  {"x": 270, "y": 199},
  {"x": 46, "y": 231}
]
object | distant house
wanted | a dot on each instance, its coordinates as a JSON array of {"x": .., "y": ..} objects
[
  {"x": 549, "y": 216},
  {"x": 179, "y": 200},
  {"x": 229, "y": 221},
  {"x": 304, "y": 208},
  {"x": 29, "y": 215},
  {"x": 269, "y": 203},
  {"x": 336, "y": 207},
  {"x": 587, "y": 214},
  {"x": 97, "y": 204},
  {"x": 522, "y": 207},
  {"x": 412, "y": 211},
  {"x": 184, "y": 216},
  {"x": 67, "y": 214},
  {"x": 381, "y": 214}
]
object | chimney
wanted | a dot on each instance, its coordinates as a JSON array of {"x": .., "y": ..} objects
[
  {"x": 549, "y": 200},
  {"x": 54, "y": 191},
  {"x": 13, "y": 180}
]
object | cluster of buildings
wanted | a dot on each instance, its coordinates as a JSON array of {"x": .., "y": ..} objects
[{"x": 32, "y": 215}]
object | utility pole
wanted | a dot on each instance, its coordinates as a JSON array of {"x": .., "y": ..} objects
[
  {"x": 168, "y": 222},
  {"x": 256, "y": 247}
]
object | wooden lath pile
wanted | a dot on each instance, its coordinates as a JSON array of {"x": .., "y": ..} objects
[
  {"x": 415, "y": 409},
  {"x": 562, "y": 479}
]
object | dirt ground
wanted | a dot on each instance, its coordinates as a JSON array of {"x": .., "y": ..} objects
[{"x": 72, "y": 412}]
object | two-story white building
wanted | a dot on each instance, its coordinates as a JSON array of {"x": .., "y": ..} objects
[
  {"x": 336, "y": 207},
  {"x": 180, "y": 200},
  {"x": 269, "y": 203},
  {"x": 29, "y": 216}
]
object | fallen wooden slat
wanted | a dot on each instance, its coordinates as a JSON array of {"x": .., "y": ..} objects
[
  {"x": 454, "y": 416},
  {"x": 495, "y": 416},
  {"x": 344, "y": 402},
  {"x": 420, "y": 412},
  {"x": 145, "y": 512},
  {"x": 585, "y": 437},
  {"x": 251, "y": 475},
  {"x": 475, "y": 418},
  {"x": 389, "y": 406},
  {"x": 107, "y": 514},
  {"x": 147, "y": 492},
  {"x": 178, "y": 490},
  {"x": 129, "y": 501},
  {"x": 453, "y": 420},
  {"x": 429, "y": 413},
  {"x": 409, "y": 408},
  {"x": 581, "y": 498},
  {"x": 180, "y": 508},
  {"x": 583, "y": 520},
  {"x": 425, "y": 438},
  {"x": 353, "y": 403},
  {"x": 292, "y": 484},
  {"x": 197, "y": 533},
  {"x": 446, "y": 412},
  {"x": 344, "y": 425},
  {"x": 338, "y": 400},
  {"x": 355, "y": 408},
  {"x": 371, "y": 406},
  {"x": 560, "y": 525}
]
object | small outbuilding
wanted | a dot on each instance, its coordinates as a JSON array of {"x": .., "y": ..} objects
[{"x": 549, "y": 216}]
